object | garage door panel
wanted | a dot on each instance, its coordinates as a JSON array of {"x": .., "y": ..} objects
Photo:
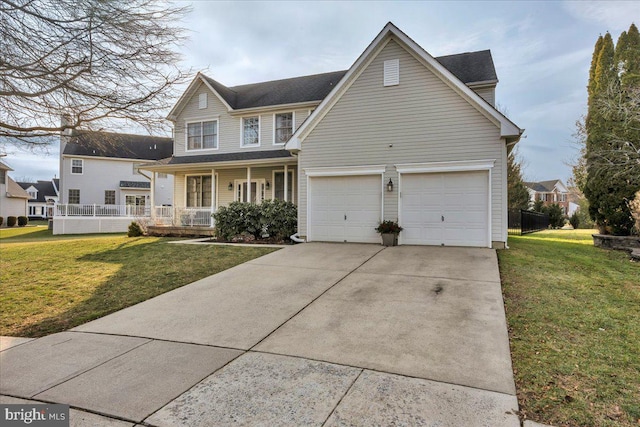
[
  {"x": 461, "y": 198},
  {"x": 350, "y": 208}
]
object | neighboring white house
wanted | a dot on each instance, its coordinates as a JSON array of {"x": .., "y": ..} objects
[
  {"x": 43, "y": 195},
  {"x": 400, "y": 135},
  {"x": 100, "y": 177},
  {"x": 13, "y": 199}
]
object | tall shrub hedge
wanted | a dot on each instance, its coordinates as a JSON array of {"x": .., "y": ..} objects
[{"x": 272, "y": 219}]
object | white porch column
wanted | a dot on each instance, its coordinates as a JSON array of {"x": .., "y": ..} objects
[
  {"x": 213, "y": 195},
  {"x": 286, "y": 182},
  {"x": 249, "y": 184},
  {"x": 153, "y": 195}
]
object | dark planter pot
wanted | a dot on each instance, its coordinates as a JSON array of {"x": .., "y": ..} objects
[{"x": 389, "y": 239}]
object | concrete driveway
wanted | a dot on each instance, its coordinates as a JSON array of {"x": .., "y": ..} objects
[{"x": 314, "y": 334}]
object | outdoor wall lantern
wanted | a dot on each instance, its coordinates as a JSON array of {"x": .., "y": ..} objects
[
  {"x": 390, "y": 185},
  {"x": 230, "y": 186},
  {"x": 268, "y": 186}
]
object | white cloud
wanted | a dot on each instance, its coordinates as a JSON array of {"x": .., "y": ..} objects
[{"x": 614, "y": 15}]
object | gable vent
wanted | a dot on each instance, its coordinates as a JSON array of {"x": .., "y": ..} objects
[
  {"x": 202, "y": 101},
  {"x": 391, "y": 72}
]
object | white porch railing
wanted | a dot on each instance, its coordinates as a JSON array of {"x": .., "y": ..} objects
[
  {"x": 96, "y": 210},
  {"x": 166, "y": 215},
  {"x": 184, "y": 217}
]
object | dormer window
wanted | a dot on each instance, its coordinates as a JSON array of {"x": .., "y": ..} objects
[
  {"x": 250, "y": 131},
  {"x": 202, "y": 135}
]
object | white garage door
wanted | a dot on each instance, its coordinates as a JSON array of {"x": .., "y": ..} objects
[
  {"x": 345, "y": 208},
  {"x": 445, "y": 209}
]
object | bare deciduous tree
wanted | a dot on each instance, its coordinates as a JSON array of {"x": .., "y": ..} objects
[{"x": 94, "y": 62}]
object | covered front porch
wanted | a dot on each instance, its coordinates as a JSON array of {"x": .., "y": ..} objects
[{"x": 200, "y": 187}]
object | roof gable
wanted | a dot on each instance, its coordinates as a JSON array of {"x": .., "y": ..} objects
[
  {"x": 470, "y": 68},
  {"x": 118, "y": 145},
  {"x": 508, "y": 129},
  {"x": 44, "y": 189}
]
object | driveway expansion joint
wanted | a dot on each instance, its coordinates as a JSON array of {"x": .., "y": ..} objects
[{"x": 315, "y": 299}]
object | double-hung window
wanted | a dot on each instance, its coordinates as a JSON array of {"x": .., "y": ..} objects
[
  {"x": 202, "y": 135},
  {"x": 109, "y": 197},
  {"x": 76, "y": 166},
  {"x": 74, "y": 196},
  {"x": 283, "y": 127},
  {"x": 199, "y": 192},
  {"x": 250, "y": 131}
]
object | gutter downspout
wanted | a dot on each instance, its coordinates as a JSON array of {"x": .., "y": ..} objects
[{"x": 295, "y": 238}]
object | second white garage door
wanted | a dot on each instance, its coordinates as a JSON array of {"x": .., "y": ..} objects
[
  {"x": 445, "y": 209},
  {"x": 345, "y": 208}
]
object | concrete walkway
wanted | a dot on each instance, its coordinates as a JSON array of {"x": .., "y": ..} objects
[{"x": 314, "y": 334}]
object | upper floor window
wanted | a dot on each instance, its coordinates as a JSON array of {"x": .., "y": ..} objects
[
  {"x": 250, "y": 131},
  {"x": 283, "y": 127},
  {"x": 77, "y": 165},
  {"x": 33, "y": 194},
  {"x": 202, "y": 135},
  {"x": 563, "y": 197}
]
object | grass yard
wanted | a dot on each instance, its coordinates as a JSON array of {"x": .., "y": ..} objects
[
  {"x": 52, "y": 283},
  {"x": 574, "y": 323}
]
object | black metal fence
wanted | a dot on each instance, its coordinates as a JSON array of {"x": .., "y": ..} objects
[{"x": 523, "y": 222}]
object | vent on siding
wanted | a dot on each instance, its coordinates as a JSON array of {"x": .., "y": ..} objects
[
  {"x": 202, "y": 101},
  {"x": 391, "y": 72}
]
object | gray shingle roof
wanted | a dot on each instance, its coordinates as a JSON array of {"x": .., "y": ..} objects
[
  {"x": 542, "y": 186},
  {"x": 119, "y": 145},
  {"x": 45, "y": 188},
  {"x": 226, "y": 157},
  {"x": 135, "y": 184},
  {"x": 469, "y": 67}
]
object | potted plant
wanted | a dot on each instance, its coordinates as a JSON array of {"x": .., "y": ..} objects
[{"x": 389, "y": 231}]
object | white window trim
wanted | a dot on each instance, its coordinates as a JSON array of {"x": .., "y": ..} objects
[
  {"x": 440, "y": 167},
  {"x": 242, "y": 131},
  {"x": 346, "y": 170},
  {"x": 186, "y": 135},
  {"x": 293, "y": 126},
  {"x": 291, "y": 183},
  {"x": 215, "y": 188},
  {"x": 260, "y": 184},
  {"x": 81, "y": 166}
]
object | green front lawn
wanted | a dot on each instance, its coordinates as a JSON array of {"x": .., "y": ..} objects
[
  {"x": 52, "y": 283},
  {"x": 574, "y": 323}
]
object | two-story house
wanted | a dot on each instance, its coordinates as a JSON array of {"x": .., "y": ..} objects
[
  {"x": 550, "y": 192},
  {"x": 13, "y": 199},
  {"x": 43, "y": 195},
  {"x": 102, "y": 186},
  {"x": 399, "y": 135}
]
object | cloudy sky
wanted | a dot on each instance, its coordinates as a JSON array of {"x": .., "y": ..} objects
[{"x": 541, "y": 50}]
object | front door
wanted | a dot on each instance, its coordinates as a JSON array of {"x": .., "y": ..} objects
[{"x": 257, "y": 190}]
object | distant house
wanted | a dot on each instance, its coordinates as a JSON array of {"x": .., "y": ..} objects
[
  {"x": 550, "y": 192},
  {"x": 13, "y": 199},
  {"x": 43, "y": 195},
  {"x": 100, "y": 177}
]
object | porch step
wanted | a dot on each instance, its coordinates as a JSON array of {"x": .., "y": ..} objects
[{"x": 172, "y": 231}]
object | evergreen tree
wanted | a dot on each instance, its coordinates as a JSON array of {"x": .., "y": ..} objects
[
  {"x": 613, "y": 131},
  {"x": 518, "y": 195}
]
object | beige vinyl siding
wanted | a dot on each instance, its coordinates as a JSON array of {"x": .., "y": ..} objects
[
  {"x": 423, "y": 119},
  {"x": 226, "y": 176},
  {"x": 229, "y": 133},
  {"x": 488, "y": 94}
]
